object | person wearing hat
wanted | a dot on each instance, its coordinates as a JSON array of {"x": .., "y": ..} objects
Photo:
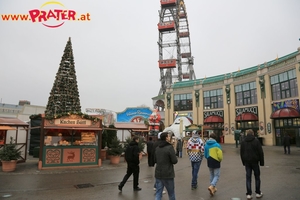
[{"x": 195, "y": 150}]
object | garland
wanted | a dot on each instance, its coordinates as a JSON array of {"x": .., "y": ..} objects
[{"x": 50, "y": 117}]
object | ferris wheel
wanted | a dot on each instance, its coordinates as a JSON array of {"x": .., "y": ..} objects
[{"x": 175, "y": 56}]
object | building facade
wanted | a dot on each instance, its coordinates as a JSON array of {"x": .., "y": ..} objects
[{"x": 264, "y": 98}]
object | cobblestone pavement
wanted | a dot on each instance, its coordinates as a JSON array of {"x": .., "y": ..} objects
[{"x": 280, "y": 180}]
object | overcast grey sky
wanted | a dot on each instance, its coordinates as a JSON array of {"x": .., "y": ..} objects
[{"x": 116, "y": 52}]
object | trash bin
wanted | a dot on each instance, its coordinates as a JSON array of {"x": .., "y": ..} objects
[
  {"x": 261, "y": 140},
  {"x": 36, "y": 152}
]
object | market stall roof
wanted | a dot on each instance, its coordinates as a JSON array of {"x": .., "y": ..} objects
[
  {"x": 12, "y": 121},
  {"x": 6, "y": 128},
  {"x": 74, "y": 128},
  {"x": 130, "y": 126},
  {"x": 285, "y": 113},
  {"x": 195, "y": 127}
]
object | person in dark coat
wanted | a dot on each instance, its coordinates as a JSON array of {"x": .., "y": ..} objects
[
  {"x": 179, "y": 148},
  {"x": 165, "y": 159},
  {"x": 252, "y": 156},
  {"x": 155, "y": 145},
  {"x": 133, "y": 160},
  {"x": 287, "y": 143},
  {"x": 150, "y": 152}
]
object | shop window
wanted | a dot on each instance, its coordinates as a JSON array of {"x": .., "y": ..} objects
[
  {"x": 277, "y": 123},
  {"x": 68, "y": 138},
  {"x": 290, "y": 122},
  {"x": 280, "y": 123},
  {"x": 247, "y": 124},
  {"x": 296, "y": 121}
]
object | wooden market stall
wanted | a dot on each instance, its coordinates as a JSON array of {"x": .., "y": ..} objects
[
  {"x": 18, "y": 130},
  {"x": 70, "y": 141},
  {"x": 202, "y": 129}
]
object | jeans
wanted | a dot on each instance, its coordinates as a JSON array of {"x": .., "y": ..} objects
[
  {"x": 195, "y": 170},
  {"x": 170, "y": 186},
  {"x": 132, "y": 169},
  {"x": 214, "y": 176},
  {"x": 180, "y": 154},
  {"x": 255, "y": 167}
]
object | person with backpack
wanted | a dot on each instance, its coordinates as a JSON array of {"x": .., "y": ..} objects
[
  {"x": 214, "y": 155},
  {"x": 133, "y": 160},
  {"x": 195, "y": 150}
]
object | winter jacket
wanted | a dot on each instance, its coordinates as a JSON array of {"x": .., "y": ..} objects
[
  {"x": 213, "y": 153},
  {"x": 132, "y": 153},
  {"x": 150, "y": 147},
  {"x": 165, "y": 159},
  {"x": 155, "y": 145},
  {"x": 251, "y": 151},
  {"x": 286, "y": 140},
  {"x": 195, "y": 149}
]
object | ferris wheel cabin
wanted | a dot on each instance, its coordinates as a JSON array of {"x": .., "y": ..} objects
[
  {"x": 186, "y": 55},
  {"x": 167, "y": 3},
  {"x": 167, "y": 64},
  {"x": 182, "y": 15},
  {"x": 186, "y": 76},
  {"x": 166, "y": 26},
  {"x": 184, "y": 34}
]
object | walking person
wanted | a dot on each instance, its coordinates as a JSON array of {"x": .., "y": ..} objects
[
  {"x": 195, "y": 150},
  {"x": 149, "y": 152},
  {"x": 214, "y": 155},
  {"x": 252, "y": 156},
  {"x": 165, "y": 158},
  {"x": 133, "y": 160},
  {"x": 155, "y": 145},
  {"x": 287, "y": 143},
  {"x": 179, "y": 148}
]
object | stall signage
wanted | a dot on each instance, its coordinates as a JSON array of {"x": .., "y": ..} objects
[
  {"x": 131, "y": 114},
  {"x": 219, "y": 113},
  {"x": 73, "y": 122},
  {"x": 240, "y": 111}
]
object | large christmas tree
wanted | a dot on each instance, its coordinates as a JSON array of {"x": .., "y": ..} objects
[{"x": 64, "y": 96}]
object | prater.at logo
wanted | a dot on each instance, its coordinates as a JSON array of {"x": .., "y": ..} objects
[{"x": 53, "y": 14}]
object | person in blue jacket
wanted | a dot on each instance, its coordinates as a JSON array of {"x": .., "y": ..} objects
[{"x": 214, "y": 155}]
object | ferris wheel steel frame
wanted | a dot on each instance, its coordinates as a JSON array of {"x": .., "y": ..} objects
[{"x": 174, "y": 38}]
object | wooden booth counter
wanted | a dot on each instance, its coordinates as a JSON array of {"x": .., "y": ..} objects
[{"x": 70, "y": 141}]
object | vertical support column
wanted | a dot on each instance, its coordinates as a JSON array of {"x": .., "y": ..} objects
[{"x": 196, "y": 106}]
